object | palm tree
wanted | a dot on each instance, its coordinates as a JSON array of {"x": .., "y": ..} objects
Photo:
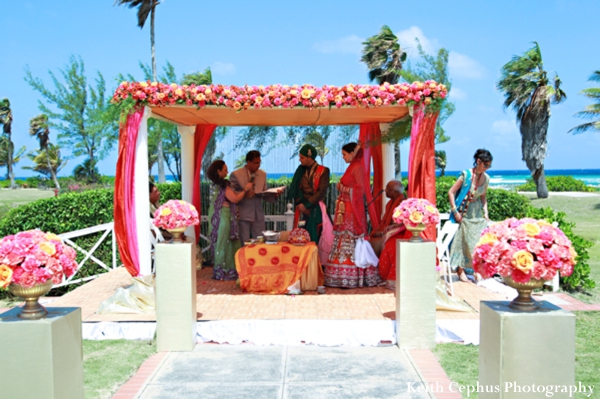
[
  {"x": 87, "y": 171},
  {"x": 528, "y": 91},
  {"x": 145, "y": 8},
  {"x": 48, "y": 162},
  {"x": 5, "y": 145},
  {"x": 318, "y": 139},
  {"x": 384, "y": 56},
  {"x": 6, "y": 119},
  {"x": 198, "y": 78},
  {"x": 440, "y": 161},
  {"x": 591, "y": 111},
  {"x": 38, "y": 127}
]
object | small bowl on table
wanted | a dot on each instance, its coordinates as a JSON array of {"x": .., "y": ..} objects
[{"x": 271, "y": 236}]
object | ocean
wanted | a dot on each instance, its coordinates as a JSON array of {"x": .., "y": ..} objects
[
  {"x": 498, "y": 178},
  {"x": 512, "y": 178}
]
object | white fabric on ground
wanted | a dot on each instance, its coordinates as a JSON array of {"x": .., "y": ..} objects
[
  {"x": 364, "y": 256},
  {"x": 297, "y": 332},
  {"x": 499, "y": 288},
  {"x": 137, "y": 298},
  {"x": 289, "y": 332}
]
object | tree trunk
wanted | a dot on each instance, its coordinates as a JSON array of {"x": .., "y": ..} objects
[
  {"x": 534, "y": 131},
  {"x": 51, "y": 169},
  {"x": 398, "y": 169},
  {"x": 539, "y": 177},
  {"x": 9, "y": 163}
]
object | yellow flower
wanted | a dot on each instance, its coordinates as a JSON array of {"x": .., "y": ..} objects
[
  {"x": 5, "y": 276},
  {"x": 430, "y": 208},
  {"x": 487, "y": 238},
  {"x": 179, "y": 92},
  {"x": 208, "y": 91},
  {"x": 48, "y": 248},
  {"x": 173, "y": 86},
  {"x": 53, "y": 237},
  {"x": 306, "y": 93},
  {"x": 200, "y": 97},
  {"x": 523, "y": 260},
  {"x": 532, "y": 229},
  {"x": 573, "y": 253},
  {"x": 416, "y": 217},
  {"x": 165, "y": 212},
  {"x": 143, "y": 84}
]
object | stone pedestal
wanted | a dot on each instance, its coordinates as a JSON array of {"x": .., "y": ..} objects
[
  {"x": 176, "y": 296},
  {"x": 519, "y": 350},
  {"x": 41, "y": 359},
  {"x": 415, "y": 294}
]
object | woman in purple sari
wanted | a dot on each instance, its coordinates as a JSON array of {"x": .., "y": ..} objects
[{"x": 222, "y": 217}]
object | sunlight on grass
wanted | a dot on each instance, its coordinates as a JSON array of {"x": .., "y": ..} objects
[
  {"x": 109, "y": 364},
  {"x": 22, "y": 196},
  {"x": 461, "y": 362}
]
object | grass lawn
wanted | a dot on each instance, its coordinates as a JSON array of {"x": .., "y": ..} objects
[
  {"x": 13, "y": 198},
  {"x": 585, "y": 213},
  {"x": 109, "y": 364},
  {"x": 461, "y": 362}
]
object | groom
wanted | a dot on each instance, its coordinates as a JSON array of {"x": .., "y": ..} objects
[{"x": 308, "y": 188}]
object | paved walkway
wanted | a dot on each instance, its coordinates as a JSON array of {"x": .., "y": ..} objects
[{"x": 246, "y": 371}]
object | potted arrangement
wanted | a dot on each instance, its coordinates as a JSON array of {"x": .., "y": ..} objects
[
  {"x": 525, "y": 252},
  {"x": 416, "y": 214},
  {"x": 175, "y": 216},
  {"x": 31, "y": 262}
]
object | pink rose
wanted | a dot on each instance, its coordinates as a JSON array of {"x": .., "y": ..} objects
[{"x": 28, "y": 279}]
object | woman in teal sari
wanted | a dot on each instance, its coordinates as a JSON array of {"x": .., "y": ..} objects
[
  {"x": 468, "y": 207},
  {"x": 222, "y": 215}
]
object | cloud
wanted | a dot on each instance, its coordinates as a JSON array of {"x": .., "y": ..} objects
[
  {"x": 223, "y": 68},
  {"x": 457, "y": 94},
  {"x": 407, "y": 41},
  {"x": 463, "y": 66},
  {"x": 504, "y": 127},
  {"x": 347, "y": 45}
]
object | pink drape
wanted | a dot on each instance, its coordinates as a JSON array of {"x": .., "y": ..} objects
[
  {"x": 124, "y": 197},
  {"x": 370, "y": 138},
  {"x": 421, "y": 160},
  {"x": 201, "y": 137}
]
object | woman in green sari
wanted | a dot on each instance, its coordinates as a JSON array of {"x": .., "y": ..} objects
[
  {"x": 468, "y": 207},
  {"x": 222, "y": 215}
]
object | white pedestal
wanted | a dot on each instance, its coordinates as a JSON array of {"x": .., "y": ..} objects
[
  {"x": 41, "y": 359},
  {"x": 521, "y": 349},
  {"x": 415, "y": 294},
  {"x": 176, "y": 296}
]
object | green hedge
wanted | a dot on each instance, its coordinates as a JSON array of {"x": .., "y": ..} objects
[
  {"x": 580, "y": 279},
  {"x": 559, "y": 183}
]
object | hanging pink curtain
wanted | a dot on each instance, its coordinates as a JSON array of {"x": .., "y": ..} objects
[
  {"x": 421, "y": 160},
  {"x": 201, "y": 137},
  {"x": 124, "y": 197},
  {"x": 370, "y": 137}
]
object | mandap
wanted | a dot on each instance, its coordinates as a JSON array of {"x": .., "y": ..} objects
[{"x": 198, "y": 110}]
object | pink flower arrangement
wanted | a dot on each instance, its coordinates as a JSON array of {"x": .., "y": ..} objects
[
  {"x": 415, "y": 211},
  {"x": 34, "y": 257},
  {"x": 175, "y": 214},
  {"x": 281, "y": 96},
  {"x": 524, "y": 249}
]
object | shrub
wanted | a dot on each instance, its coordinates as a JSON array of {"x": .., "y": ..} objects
[
  {"x": 580, "y": 279},
  {"x": 558, "y": 183}
]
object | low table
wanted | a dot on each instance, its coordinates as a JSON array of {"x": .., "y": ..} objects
[{"x": 272, "y": 268}]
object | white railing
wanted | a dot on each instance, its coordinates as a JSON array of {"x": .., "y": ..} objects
[{"x": 107, "y": 228}]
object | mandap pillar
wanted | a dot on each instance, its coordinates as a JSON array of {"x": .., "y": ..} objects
[
  {"x": 388, "y": 161},
  {"x": 187, "y": 169}
]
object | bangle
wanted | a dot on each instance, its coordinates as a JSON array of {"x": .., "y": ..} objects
[{"x": 453, "y": 209}]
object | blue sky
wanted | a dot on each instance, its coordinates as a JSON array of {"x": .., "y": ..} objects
[{"x": 319, "y": 42}]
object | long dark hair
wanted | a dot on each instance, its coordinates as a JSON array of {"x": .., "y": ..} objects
[
  {"x": 213, "y": 173},
  {"x": 484, "y": 155}
]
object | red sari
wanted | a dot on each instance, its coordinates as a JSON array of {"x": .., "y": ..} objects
[{"x": 350, "y": 225}]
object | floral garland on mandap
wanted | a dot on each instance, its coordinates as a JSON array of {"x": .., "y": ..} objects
[
  {"x": 281, "y": 96},
  {"x": 524, "y": 249},
  {"x": 34, "y": 257},
  {"x": 176, "y": 214}
]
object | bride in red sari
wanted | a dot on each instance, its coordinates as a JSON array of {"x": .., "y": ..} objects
[{"x": 352, "y": 262}]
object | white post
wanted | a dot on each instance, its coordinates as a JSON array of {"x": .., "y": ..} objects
[
  {"x": 388, "y": 160},
  {"x": 142, "y": 202},
  {"x": 187, "y": 169},
  {"x": 289, "y": 217}
]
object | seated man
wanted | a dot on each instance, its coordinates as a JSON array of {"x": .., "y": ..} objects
[
  {"x": 395, "y": 192},
  {"x": 391, "y": 233},
  {"x": 154, "y": 205}
]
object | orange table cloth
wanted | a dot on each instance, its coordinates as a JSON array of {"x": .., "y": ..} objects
[{"x": 272, "y": 268}]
